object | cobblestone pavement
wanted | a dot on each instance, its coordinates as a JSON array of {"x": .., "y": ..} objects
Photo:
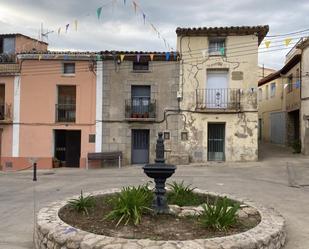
[{"x": 280, "y": 180}]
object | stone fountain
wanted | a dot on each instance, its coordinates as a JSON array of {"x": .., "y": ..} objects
[{"x": 160, "y": 171}]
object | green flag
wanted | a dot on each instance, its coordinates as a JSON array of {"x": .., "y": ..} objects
[{"x": 99, "y": 10}]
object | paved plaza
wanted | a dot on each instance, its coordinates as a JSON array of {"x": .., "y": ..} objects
[{"x": 279, "y": 180}]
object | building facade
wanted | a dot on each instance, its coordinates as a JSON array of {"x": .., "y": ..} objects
[
  {"x": 218, "y": 92},
  {"x": 138, "y": 90},
  {"x": 279, "y": 102}
]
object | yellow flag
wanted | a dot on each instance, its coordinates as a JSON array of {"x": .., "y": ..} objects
[
  {"x": 287, "y": 41},
  {"x": 151, "y": 57},
  {"x": 267, "y": 44},
  {"x": 75, "y": 24},
  {"x": 122, "y": 57},
  {"x": 59, "y": 30}
]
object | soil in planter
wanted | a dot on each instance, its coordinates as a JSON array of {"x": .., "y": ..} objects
[{"x": 155, "y": 227}]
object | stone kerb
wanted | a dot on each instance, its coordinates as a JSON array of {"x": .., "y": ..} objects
[{"x": 52, "y": 233}]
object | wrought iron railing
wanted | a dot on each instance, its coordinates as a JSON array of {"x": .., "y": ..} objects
[
  {"x": 65, "y": 112},
  {"x": 7, "y": 58},
  {"x": 5, "y": 112},
  {"x": 219, "y": 99},
  {"x": 140, "y": 107}
]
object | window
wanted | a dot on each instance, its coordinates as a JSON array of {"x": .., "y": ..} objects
[
  {"x": 184, "y": 135},
  {"x": 272, "y": 89},
  {"x": 66, "y": 107},
  {"x": 266, "y": 92},
  {"x": 140, "y": 66},
  {"x": 68, "y": 68},
  {"x": 2, "y": 101},
  {"x": 167, "y": 135},
  {"x": 217, "y": 46},
  {"x": 260, "y": 94},
  {"x": 290, "y": 83},
  {"x": 91, "y": 138}
]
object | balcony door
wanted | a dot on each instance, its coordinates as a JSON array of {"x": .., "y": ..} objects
[
  {"x": 140, "y": 97},
  {"x": 66, "y": 107},
  {"x": 217, "y": 89}
]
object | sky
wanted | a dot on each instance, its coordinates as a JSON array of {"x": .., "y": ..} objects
[{"x": 119, "y": 28}]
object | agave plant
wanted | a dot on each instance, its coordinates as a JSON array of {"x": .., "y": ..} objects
[
  {"x": 82, "y": 204},
  {"x": 219, "y": 216},
  {"x": 130, "y": 204}
]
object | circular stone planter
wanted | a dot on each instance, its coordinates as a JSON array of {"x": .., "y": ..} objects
[{"x": 52, "y": 233}]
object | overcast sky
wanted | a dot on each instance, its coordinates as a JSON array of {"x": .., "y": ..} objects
[{"x": 120, "y": 29}]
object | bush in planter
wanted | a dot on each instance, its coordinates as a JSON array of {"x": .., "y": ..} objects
[
  {"x": 219, "y": 216},
  {"x": 182, "y": 195},
  {"x": 82, "y": 204},
  {"x": 130, "y": 204}
]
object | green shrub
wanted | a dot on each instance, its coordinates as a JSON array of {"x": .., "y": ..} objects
[
  {"x": 130, "y": 204},
  {"x": 296, "y": 145},
  {"x": 182, "y": 195},
  {"x": 81, "y": 204},
  {"x": 219, "y": 216}
]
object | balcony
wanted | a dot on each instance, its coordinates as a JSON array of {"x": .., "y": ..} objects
[
  {"x": 5, "y": 113},
  {"x": 140, "y": 109},
  {"x": 218, "y": 100},
  {"x": 65, "y": 113}
]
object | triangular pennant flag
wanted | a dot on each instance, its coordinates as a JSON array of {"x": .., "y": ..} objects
[
  {"x": 59, "y": 30},
  {"x": 75, "y": 24},
  {"x": 151, "y": 57},
  {"x": 67, "y": 27},
  {"x": 40, "y": 57},
  {"x": 287, "y": 41},
  {"x": 167, "y": 56},
  {"x": 134, "y": 6},
  {"x": 204, "y": 53},
  {"x": 144, "y": 18},
  {"x": 122, "y": 57},
  {"x": 222, "y": 51},
  {"x": 297, "y": 84},
  {"x": 99, "y": 10},
  {"x": 267, "y": 44},
  {"x": 138, "y": 57}
]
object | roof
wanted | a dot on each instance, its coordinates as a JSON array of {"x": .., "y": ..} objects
[
  {"x": 304, "y": 43},
  {"x": 18, "y": 34},
  {"x": 286, "y": 68},
  {"x": 107, "y": 54},
  {"x": 261, "y": 31}
]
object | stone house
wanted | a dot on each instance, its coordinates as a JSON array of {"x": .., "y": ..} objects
[
  {"x": 218, "y": 92},
  {"x": 139, "y": 88}
]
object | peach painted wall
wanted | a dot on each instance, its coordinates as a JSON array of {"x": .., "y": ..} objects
[
  {"x": 39, "y": 81},
  {"x": 24, "y": 44}
]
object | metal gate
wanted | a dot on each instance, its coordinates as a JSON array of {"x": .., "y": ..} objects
[
  {"x": 216, "y": 142},
  {"x": 140, "y": 146},
  {"x": 277, "y": 128}
]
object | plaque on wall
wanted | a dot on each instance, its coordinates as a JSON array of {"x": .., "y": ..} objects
[{"x": 237, "y": 75}]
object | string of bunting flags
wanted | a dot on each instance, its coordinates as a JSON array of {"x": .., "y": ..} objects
[
  {"x": 286, "y": 42},
  {"x": 137, "y": 10}
]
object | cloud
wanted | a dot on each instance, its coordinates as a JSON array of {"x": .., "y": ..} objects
[{"x": 120, "y": 29}]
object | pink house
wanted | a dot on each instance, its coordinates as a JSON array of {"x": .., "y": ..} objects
[{"x": 54, "y": 100}]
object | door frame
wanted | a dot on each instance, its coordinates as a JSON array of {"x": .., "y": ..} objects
[
  {"x": 132, "y": 143},
  {"x": 224, "y": 140}
]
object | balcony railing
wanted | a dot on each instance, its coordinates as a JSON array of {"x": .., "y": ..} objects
[
  {"x": 65, "y": 112},
  {"x": 220, "y": 99},
  {"x": 7, "y": 58},
  {"x": 5, "y": 112},
  {"x": 140, "y": 108}
]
